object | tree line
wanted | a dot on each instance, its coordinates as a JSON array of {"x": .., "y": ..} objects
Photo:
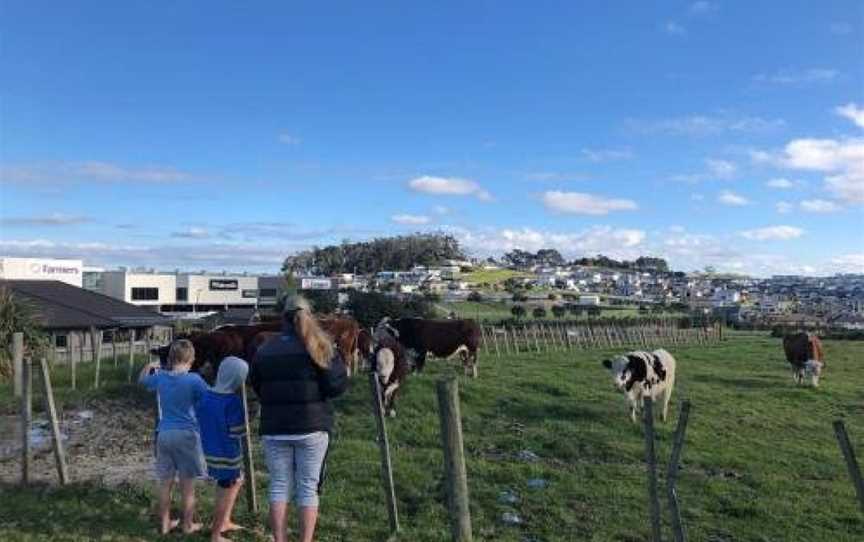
[{"x": 381, "y": 254}]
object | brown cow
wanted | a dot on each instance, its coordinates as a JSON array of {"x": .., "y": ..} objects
[
  {"x": 441, "y": 337},
  {"x": 210, "y": 349},
  {"x": 804, "y": 354},
  {"x": 343, "y": 330}
]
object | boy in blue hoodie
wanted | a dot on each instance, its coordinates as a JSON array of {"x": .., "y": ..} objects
[
  {"x": 223, "y": 424},
  {"x": 178, "y": 445}
]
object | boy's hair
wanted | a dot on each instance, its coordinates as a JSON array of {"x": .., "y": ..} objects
[{"x": 181, "y": 353}]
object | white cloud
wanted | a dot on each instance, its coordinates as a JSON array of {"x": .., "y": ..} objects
[
  {"x": 215, "y": 256},
  {"x": 728, "y": 197},
  {"x": 674, "y": 29},
  {"x": 448, "y": 186},
  {"x": 606, "y": 155},
  {"x": 91, "y": 171},
  {"x": 721, "y": 169},
  {"x": 852, "y": 112},
  {"x": 782, "y": 183},
  {"x": 706, "y": 125},
  {"x": 819, "y": 206},
  {"x": 585, "y": 204},
  {"x": 714, "y": 169},
  {"x": 784, "y": 207},
  {"x": 621, "y": 243},
  {"x": 555, "y": 176},
  {"x": 797, "y": 77},
  {"x": 56, "y": 219},
  {"x": 192, "y": 233},
  {"x": 773, "y": 233},
  {"x": 844, "y": 158},
  {"x": 288, "y": 139},
  {"x": 441, "y": 210},
  {"x": 703, "y": 7},
  {"x": 849, "y": 263},
  {"x": 410, "y": 220}
]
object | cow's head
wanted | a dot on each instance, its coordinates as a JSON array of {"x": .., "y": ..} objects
[
  {"x": 619, "y": 366},
  {"x": 383, "y": 329}
]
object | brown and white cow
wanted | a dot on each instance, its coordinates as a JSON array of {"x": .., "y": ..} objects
[
  {"x": 390, "y": 365},
  {"x": 443, "y": 338},
  {"x": 804, "y": 353}
]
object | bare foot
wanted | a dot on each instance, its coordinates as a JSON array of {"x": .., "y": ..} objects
[
  {"x": 192, "y": 528},
  {"x": 170, "y": 526},
  {"x": 231, "y": 526}
]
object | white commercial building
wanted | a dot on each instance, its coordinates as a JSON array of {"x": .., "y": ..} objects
[
  {"x": 68, "y": 271},
  {"x": 182, "y": 292}
]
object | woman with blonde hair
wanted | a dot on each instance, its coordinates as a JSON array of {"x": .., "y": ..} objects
[{"x": 295, "y": 375}]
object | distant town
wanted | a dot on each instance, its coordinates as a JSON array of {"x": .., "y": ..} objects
[{"x": 791, "y": 300}]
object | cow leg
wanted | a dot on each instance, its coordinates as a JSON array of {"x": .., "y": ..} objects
[
  {"x": 420, "y": 363},
  {"x": 470, "y": 362},
  {"x": 666, "y": 396},
  {"x": 815, "y": 380},
  {"x": 390, "y": 398}
]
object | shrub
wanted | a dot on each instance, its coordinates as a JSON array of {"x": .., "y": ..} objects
[
  {"x": 551, "y": 297},
  {"x": 16, "y": 314},
  {"x": 559, "y": 311},
  {"x": 368, "y": 308},
  {"x": 518, "y": 311},
  {"x": 539, "y": 312},
  {"x": 476, "y": 297}
]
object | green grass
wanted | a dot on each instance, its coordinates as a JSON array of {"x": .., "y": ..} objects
[
  {"x": 498, "y": 310},
  {"x": 492, "y": 276},
  {"x": 760, "y": 461}
]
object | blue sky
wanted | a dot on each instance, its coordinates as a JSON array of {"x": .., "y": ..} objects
[{"x": 222, "y": 135}]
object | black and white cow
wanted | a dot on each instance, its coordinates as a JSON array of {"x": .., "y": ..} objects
[{"x": 642, "y": 374}]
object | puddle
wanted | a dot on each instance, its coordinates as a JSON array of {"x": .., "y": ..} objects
[{"x": 10, "y": 436}]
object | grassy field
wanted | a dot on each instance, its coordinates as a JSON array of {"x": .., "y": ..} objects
[
  {"x": 491, "y": 276},
  {"x": 497, "y": 310},
  {"x": 760, "y": 462}
]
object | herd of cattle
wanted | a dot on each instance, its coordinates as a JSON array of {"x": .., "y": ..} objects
[{"x": 395, "y": 348}]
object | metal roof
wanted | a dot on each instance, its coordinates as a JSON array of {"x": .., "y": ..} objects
[{"x": 63, "y": 306}]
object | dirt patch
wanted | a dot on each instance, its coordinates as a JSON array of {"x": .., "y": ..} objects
[{"x": 108, "y": 441}]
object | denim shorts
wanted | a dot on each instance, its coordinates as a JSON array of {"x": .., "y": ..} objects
[
  {"x": 296, "y": 466},
  {"x": 178, "y": 453}
]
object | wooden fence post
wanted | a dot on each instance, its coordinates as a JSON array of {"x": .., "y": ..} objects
[
  {"x": 672, "y": 472},
  {"x": 52, "y": 348},
  {"x": 248, "y": 463},
  {"x": 384, "y": 447},
  {"x": 131, "y": 355},
  {"x": 114, "y": 347},
  {"x": 70, "y": 337},
  {"x": 96, "y": 348},
  {"x": 18, "y": 362},
  {"x": 851, "y": 461},
  {"x": 651, "y": 462},
  {"x": 454, "y": 460},
  {"x": 56, "y": 436},
  {"x": 26, "y": 418}
]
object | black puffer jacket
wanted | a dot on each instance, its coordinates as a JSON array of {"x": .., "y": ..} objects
[{"x": 294, "y": 392}]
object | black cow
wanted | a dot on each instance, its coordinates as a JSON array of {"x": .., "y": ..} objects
[{"x": 443, "y": 338}]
